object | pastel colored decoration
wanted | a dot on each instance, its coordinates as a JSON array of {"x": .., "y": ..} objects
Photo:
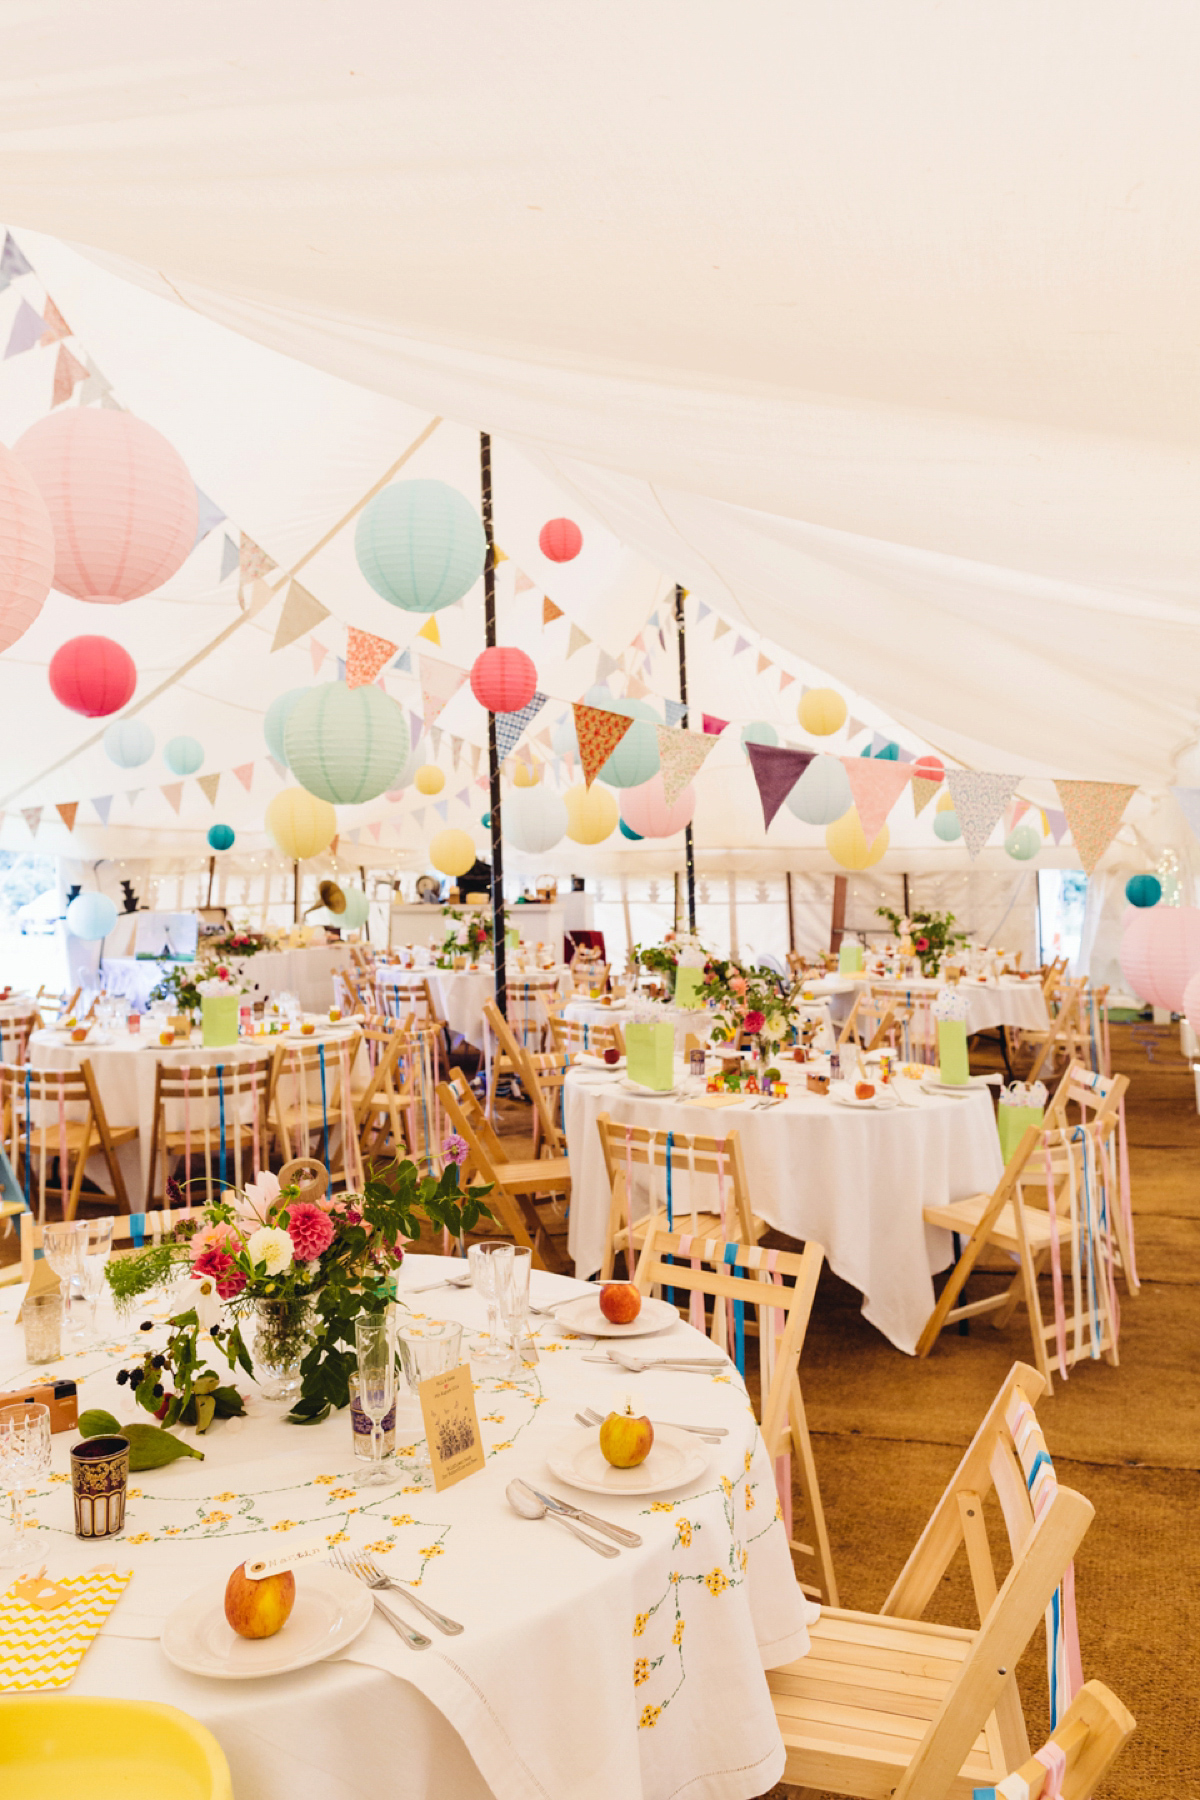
[
  {"x": 1191, "y": 1001},
  {"x": 486, "y": 821},
  {"x": 220, "y": 837},
  {"x": 628, "y": 832},
  {"x": 945, "y": 802},
  {"x": 358, "y": 910},
  {"x": 420, "y": 545},
  {"x": 758, "y": 732},
  {"x": 345, "y": 744},
  {"x": 1160, "y": 953},
  {"x": 560, "y": 540},
  {"x": 91, "y": 916},
  {"x": 646, "y": 809},
  {"x": 591, "y": 814},
  {"x": 822, "y": 711},
  {"x": 846, "y": 842},
  {"x": 929, "y": 768},
  {"x": 1021, "y": 843},
  {"x": 503, "y": 678},
  {"x": 635, "y": 759},
  {"x": 889, "y": 752},
  {"x": 26, "y": 549},
  {"x": 219, "y": 1019},
  {"x": 453, "y": 852},
  {"x": 526, "y": 775},
  {"x": 300, "y": 824},
  {"x": 121, "y": 502},
  {"x": 822, "y": 793},
  {"x": 92, "y": 676},
  {"x": 275, "y": 721},
  {"x": 183, "y": 755},
  {"x": 535, "y": 819},
  {"x": 564, "y": 739},
  {"x": 129, "y": 743},
  {"x": 946, "y": 826},
  {"x": 429, "y": 779},
  {"x": 1143, "y": 890}
]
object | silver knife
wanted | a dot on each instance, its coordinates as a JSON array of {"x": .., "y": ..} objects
[{"x": 617, "y": 1532}]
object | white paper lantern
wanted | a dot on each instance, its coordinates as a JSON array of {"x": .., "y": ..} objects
[{"x": 534, "y": 819}]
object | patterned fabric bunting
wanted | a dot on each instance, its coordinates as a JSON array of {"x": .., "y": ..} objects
[
  {"x": 32, "y": 816},
  {"x": 550, "y": 612},
  {"x": 922, "y": 793},
  {"x": 365, "y": 656},
  {"x": 777, "y": 769},
  {"x": 876, "y": 786},
  {"x": 1094, "y": 810},
  {"x": 440, "y": 682},
  {"x": 66, "y": 811},
  {"x": 300, "y": 613},
  {"x": 208, "y": 785},
  {"x": 599, "y": 732},
  {"x": 979, "y": 800},
  {"x": 510, "y": 725},
  {"x": 68, "y": 373},
  {"x": 682, "y": 754},
  {"x": 56, "y": 326}
]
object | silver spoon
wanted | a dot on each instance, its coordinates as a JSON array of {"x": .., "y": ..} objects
[{"x": 523, "y": 1500}]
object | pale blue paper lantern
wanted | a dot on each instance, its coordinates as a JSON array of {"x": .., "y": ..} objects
[
  {"x": 1021, "y": 843},
  {"x": 91, "y": 916},
  {"x": 129, "y": 743},
  {"x": 823, "y": 793},
  {"x": 345, "y": 745},
  {"x": 635, "y": 759},
  {"x": 421, "y": 545},
  {"x": 183, "y": 755},
  {"x": 357, "y": 911},
  {"x": 759, "y": 731},
  {"x": 275, "y": 719},
  {"x": 947, "y": 827},
  {"x": 220, "y": 837}
]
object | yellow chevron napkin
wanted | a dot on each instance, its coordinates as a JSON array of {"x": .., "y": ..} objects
[{"x": 42, "y": 1647}]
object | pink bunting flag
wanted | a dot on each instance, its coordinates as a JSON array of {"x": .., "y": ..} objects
[
  {"x": 375, "y": 830},
  {"x": 56, "y": 325},
  {"x": 440, "y": 682},
  {"x": 32, "y": 816},
  {"x": 68, "y": 373},
  {"x": 785, "y": 680},
  {"x": 318, "y": 652},
  {"x": 712, "y": 724},
  {"x": 1094, "y": 811},
  {"x": 366, "y": 655},
  {"x": 172, "y": 793},
  {"x": 777, "y": 768},
  {"x": 764, "y": 663},
  {"x": 245, "y": 774},
  {"x": 682, "y": 754},
  {"x": 876, "y": 784},
  {"x": 522, "y": 584}
]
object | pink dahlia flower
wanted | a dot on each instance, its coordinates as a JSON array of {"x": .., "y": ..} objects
[
  {"x": 220, "y": 1237},
  {"x": 753, "y": 1022},
  {"x": 310, "y": 1230}
]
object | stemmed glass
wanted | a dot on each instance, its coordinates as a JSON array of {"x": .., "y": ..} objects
[
  {"x": 65, "y": 1248},
  {"x": 433, "y": 1347},
  {"x": 376, "y": 1387},
  {"x": 489, "y": 1263},
  {"x": 512, "y": 1280},
  {"x": 24, "y": 1459},
  {"x": 95, "y": 1259}
]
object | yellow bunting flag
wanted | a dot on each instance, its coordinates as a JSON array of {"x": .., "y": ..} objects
[{"x": 429, "y": 630}]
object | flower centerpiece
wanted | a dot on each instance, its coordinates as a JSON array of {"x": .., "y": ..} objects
[
  {"x": 468, "y": 936},
  {"x": 662, "y": 961},
  {"x": 753, "y": 1009},
  {"x": 929, "y": 933}
]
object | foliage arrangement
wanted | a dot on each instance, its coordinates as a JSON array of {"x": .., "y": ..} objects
[
  {"x": 753, "y": 1005},
  {"x": 469, "y": 934},
  {"x": 929, "y": 934},
  {"x": 236, "y": 941},
  {"x": 179, "y": 985}
]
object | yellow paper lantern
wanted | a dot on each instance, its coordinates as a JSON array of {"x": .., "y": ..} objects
[
  {"x": 527, "y": 774},
  {"x": 822, "y": 711},
  {"x": 945, "y": 801},
  {"x": 591, "y": 814},
  {"x": 453, "y": 852},
  {"x": 430, "y": 779},
  {"x": 846, "y": 842},
  {"x": 300, "y": 824}
]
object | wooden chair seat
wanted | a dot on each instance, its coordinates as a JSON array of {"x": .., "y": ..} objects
[
  {"x": 964, "y": 1217},
  {"x": 80, "y": 1135},
  {"x": 540, "y": 1175},
  {"x": 708, "y": 1225}
]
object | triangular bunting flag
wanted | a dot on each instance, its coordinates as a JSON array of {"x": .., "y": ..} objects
[
  {"x": 301, "y": 611},
  {"x": 281, "y": 769},
  {"x": 652, "y": 621},
  {"x": 712, "y": 724},
  {"x": 56, "y": 326},
  {"x": 498, "y": 556},
  {"x": 66, "y": 812},
  {"x": 442, "y": 809},
  {"x": 456, "y": 750},
  {"x": 878, "y": 743},
  {"x": 440, "y": 682},
  {"x": 318, "y": 652},
  {"x": 403, "y": 663},
  {"x": 208, "y": 785},
  {"x": 764, "y": 663},
  {"x": 416, "y": 726},
  {"x": 245, "y": 774},
  {"x": 720, "y": 629},
  {"x": 876, "y": 786},
  {"x": 599, "y": 732},
  {"x": 1094, "y": 810},
  {"x": 419, "y": 817},
  {"x": 606, "y": 665},
  {"x": 253, "y": 561},
  {"x": 131, "y": 794},
  {"x": 429, "y": 630},
  {"x": 922, "y": 793},
  {"x": 681, "y": 753},
  {"x": 522, "y": 584},
  {"x": 675, "y": 711},
  {"x": 375, "y": 829},
  {"x": 476, "y": 758},
  {"x": 27, "y": 329},
  {"x": 785, "y": 680},
  {"x": 68, "y": 373},
  {"x": 96, "y": 387},
  {"x": 208, "y": 516},
  {"x": 103, "y": 806},
  {"x": 1017, "y": 812},
  {"x": 1056, "y": 824},
  {"x": 32, "y": 816},
  {"x": 635, "y": 689},
  {"x": 577, "y": 639},
  {"x": 550, "y": 612},
  {"x": 366, "y": 654},
  {"x": 777, "y": 769},
  {"x": 172, "y": 793},
  {"x": 341, "y": 667},
  {"x": 979, "y": 799},
  {"x": 464, "y": 796},
  {"x": 510, "y": 725},
  {"x": 229, "y": 558},
  {"x": 702, "y": 612},
  {"x": 435, "y": 738},
  {"x": 12, "y": 262},
  {"x": 903, "y": 755},
  {"x": 853, "y": 726}
]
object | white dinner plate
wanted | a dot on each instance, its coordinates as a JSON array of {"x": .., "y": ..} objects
[
  {"x": 648, "y": 1093},
  {"x": 586, "y": 1060},
  {"x": 932, "y": 1085},
  {"x": 331, "y": 1610},
  {"x": 584, "y": 1315},
  {"x": 675, "y": 1459},
  {"x": 847, "y": 1097}
]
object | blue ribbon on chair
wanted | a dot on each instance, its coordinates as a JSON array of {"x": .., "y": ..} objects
[
  {"x": 671, "y": 1300},
  {"x": 221, "y": 1115},
  {"x": 137, "y": 1229},
  {"x": 325, "y": 1109},
  {"x": 29, "y": 1137},
  {"x": 730, "y": 1256}
]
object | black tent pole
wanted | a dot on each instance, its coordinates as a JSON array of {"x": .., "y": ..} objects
[
  {"x": 688, "y": 840},
  {"x": 489, "y": 620}
]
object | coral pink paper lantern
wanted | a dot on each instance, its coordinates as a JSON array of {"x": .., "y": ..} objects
[
  {"x": 1191, "y": 1002},
  {"x": 1160, "y": 953},
  {"x": 26, "y": 550},
  {"x": 121, "y": 502},
  {"x": 503, "y": 679},
  {"x": 929, "y": 768},
  {"x": 646, "y": 811},
  {"x": 560, "y": 540},
  {"x": 92, "y": 676}
]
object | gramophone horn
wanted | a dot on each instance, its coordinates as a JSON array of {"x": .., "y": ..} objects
[{"x": 331, "y": 898}]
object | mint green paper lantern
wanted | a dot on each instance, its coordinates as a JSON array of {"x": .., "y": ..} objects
[
  {"x": 1022, "y": 843},
  {"x": 421, "y": 545},
  {"x": 129, "y": 743},
  {"x": 823, "y": 793},
  {"x": 275, "y": 719},
  {"x": 759, "y": 731},
  {"x": 947, "y": 827},
  {"x": 635, "y": 759},
  {"x": 345, "y": 745},
  {"x": 358, "y": 909},
  {"x": 183, "y": 755}
]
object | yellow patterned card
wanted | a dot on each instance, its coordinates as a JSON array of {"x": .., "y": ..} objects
[
  {"x": 43, "y": 1649},
  {"x": 451, "y": 1426}
]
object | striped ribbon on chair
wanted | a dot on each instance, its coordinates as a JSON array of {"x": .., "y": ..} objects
[
  {"x": 28, "y": 1133},
  {"x": 1064, "y": 1665},
  {"x": 324, "y": 1109},
  {"x": 729, "y": 1256},
  {"x": 1053, "y": 1759},
  {"x": 221, "y": 1120}
]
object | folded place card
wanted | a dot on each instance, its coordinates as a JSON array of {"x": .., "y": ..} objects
[
  {"x": 650, "y": 1055},
  {"x": 451, "y": 1426}
]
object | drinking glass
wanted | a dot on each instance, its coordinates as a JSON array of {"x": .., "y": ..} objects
[
  {"x": 512, "y": 1280},
  {"x": 376, "y": 1387},
  {"x": 487, "y": 1263},
  {"x": 24, "y": 1459},
  {"x": 95, "y": 1260},
  {"x": 65, "y": 1248},
  {"x": 41, "y": 1316}
]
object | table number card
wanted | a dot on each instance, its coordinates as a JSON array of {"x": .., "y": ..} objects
[{"x": 451, "y": 1426}]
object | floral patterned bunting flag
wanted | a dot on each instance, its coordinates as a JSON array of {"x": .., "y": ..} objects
[
  {"x": 979, "y": 800},
  {"x": 365, "y": 656},
  {"x": 1094, "y": 810},
  {"x": 922, "y": 793},
  {"x": 599, "y": 732},
  {"x": 681, "y": 753},
  {"x": 440, "y": 682}
]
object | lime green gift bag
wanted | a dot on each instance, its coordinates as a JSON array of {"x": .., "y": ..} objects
[
  {"x": 219, "y": 1018},
  {"x": 850, "y": 959},
  {"x": 954, "y": 1068},
  {"x": 1019, "y": 1108},
  {"x": 650, "y": 1055},
  {"x": 689, "y": 986}
]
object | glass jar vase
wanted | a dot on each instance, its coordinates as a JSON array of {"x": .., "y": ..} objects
[{"x": 282, "y": 1333}]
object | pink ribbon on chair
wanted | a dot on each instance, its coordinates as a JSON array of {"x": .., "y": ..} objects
[
  {"x": 696, "y": 1301},
  {"x": 185, "y": 1075},
  {"x": 1060, "y": 1306},
  {"x": 1053, "y": 1759},
  {"x": 351, "y": 1153},
  {"x": 63, "y": 1158},
  {"x": 730, "y": 1331},
  {"x": 1126, "y": 1192},
  {"x": 783, "y": 1464}
]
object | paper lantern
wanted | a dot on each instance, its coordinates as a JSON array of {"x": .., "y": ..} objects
[
  {"x": 945, "y": 801},
  {"x": 758, "y": 732},
  {"x": 1021, "y": 843},
  {"x": 300, "y": 824},
  {"x": 628, "y": 831},
  {"x": 635, "y": 759},
  {"x": 92, "y": 676},
  {"x": 453, "y": 852},
  {"x": 129, "y": 743},
  {"x": 846, "y": 842},
  {"x": 564, "y": 739},
  {"x": 888, "y": 753},
  {"x": 560, "y": 540},
  {"x": 26, "y": 549},
  {"x": 928, "y": 768},
  {"x": 357, "y": 912},
  {"x": 591, "y": 814},
  {"x": 486, "y": 821},
  {"x": 646, "y": 809},
  {"x": 527, "y": 775},
  {"x": 91, "y": 916},
  {"x": 1143, "y": 890},
  {"x": 1191, "y": 1001},
  {"x": 946, "y": 825},
  {"x": 535, "y": 819},
  {"x": 121, "y": 502},
  {"x": 421, "y": 545},
  {"x": 822, "y": 711},
  {"x": 220, "y": 837},
  {"x": 503, "y": 679},
  {"x": 429, "y": 779},
  {"x": 275, "y": 721},
  {"x": 1160, "y": 953},
  {"x": 823, "y": 792},
  {"x": 345, "y": 744},
  {"x": 183, "y": 755}
]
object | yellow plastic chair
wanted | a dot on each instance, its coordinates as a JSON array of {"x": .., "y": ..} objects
[{"x": 55, "y": 1747}]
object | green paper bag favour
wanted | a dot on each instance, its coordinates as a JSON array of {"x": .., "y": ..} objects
[
  {"x": 850, "y": 959},
  {"x": 219, "y": 1018},
  {"x": 512, "y": 938},
  {"x": 954, "y": 1069},
  {"x": 689, "y": 986},
  {"x": 1013, "y": 1122},
  {"x": 650, "y": 1055}
]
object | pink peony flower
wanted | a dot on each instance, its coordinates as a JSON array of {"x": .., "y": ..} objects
[
  {"x": 310, "y": 1230},
  {"x": 737, "y": 983},
  {"x": 753, "y": 1022},
  {"x": 921, "y": 943},
  {"x": 212, "y": 1262},
  {"x": 220, "y": 1237}
]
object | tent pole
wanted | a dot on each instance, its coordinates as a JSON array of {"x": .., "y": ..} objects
[
  {"x": 212, "y": 869},
  {"x": 296, "y": 892},
  {"x": 489, "y": 620},
  {"x": 689, "y": 844}
]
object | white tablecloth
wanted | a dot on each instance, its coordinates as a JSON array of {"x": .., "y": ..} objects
[
  {"x": 577, "y": 1677},
  {"x": 463, "y": 993},
  {"x": 1019, "y": 1005},
  {"x": 306, "y": 973},
  {"x": 854, "y": 1181}
]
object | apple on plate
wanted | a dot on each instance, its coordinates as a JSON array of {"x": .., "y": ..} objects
[
  {"x": 626, "y": 1441},
  {"x": 620, "y": 1302},
  {"x": 612, "y": 1056},
  {"x": 258, "y": 1609}
]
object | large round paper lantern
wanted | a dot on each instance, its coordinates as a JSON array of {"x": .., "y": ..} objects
[
  {"x": 91, "y": 916},
  {"x": 635, "y": 759},
  {"x": 646, "y": 809},
  {"x": 1191, "y": 1002},
  {"x": 503, "y": 678},
  {"x": 946, "y": 826},
  {"x": 275, "y": 721},
  {"x": 560, "y": 540},
  {"x": 822, "y": 711},
  {"x": 220, "y": 837},
  {"x": 421, "y": 545},
  {"x": 929, "y": 768},
  {"x": 453, "y": 852},
  {"x": 527, "y": 775},
  {"x": 486, "y": 821},
  {"x": 846, "y": 842},
  {"x": 1160, "y": 953},
  {"x": 1022, "y": 842},
  {"x": 628, "y": 832},
  {"x": 300, "y": 824},
  {"x": 345, "y": 744},
  {"x": 888, "y": 753},
  {"x": 92, "y": 676},
  {"x": 535, "y": 819},
  {"x": 1143, "y": 890},
  {"x": 429, "y": 779},
  {"x": 129, "y": 743},
  {"x": 183, "y": 755},
  {"x": 591, "y": 814},
  {"x": 823, "y": 792},
  {"x": 357, "y": 912},
  {"x": 758, "y": 732},
  {"x": 563, "y": 737},
  {"x": 26, "y": 549},
  {"x": 121, "y": 502}
]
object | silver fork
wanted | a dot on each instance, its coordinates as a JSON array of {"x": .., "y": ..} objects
[
  {"x": 416, "y": 1640},
  {"x": 589, "y": 1416},
  {"x": 374, "y": 1576}
]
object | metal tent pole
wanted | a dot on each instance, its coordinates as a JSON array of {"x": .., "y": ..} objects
[
  {"x": 689, "y": 842},
  {"x": 489, "y": 619}
]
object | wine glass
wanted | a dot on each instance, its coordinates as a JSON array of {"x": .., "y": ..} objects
[
  {"x": 487, "y": 1263},
  {"x": 512, "y": 1280},
  {"x": 24, "y": 1459},
  {"x": 376, "y": 1387},
  {"x": 95, "y": 1260},
  {"x": 433, "y": 1347},
  {"x": 65, "y": 1248}
]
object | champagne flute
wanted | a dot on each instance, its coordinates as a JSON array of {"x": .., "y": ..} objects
[
  {"x": 24, "y": 1458},
  {"x": 487, "y": 1263},
  {"x": 65, "y": 1247},
  {"x": 95, "y": 1259},
  {"x": 376, "y": 1387},
  {"x": 513, "y": 1280}
]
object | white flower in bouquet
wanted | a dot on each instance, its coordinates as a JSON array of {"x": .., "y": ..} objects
[
  {"x": 272, "y": 1248},
  {"x": 220, "y": 984},
  {"x": 207, "y": 1304},
  {"x": 776, "y": 1027}
]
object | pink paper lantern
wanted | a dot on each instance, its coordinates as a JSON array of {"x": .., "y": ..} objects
[
  {"x": 929, "y": 768},
  {"x": 1191, "y": 1002},
  {"x": 92, "y": 676},
  {"x": 503, "y": 679},
  {"x": 560, "y": 540},
  {"x": 645, "y": 810},
  {"x": 1160, "y": 953},
  {"x": 121, "y": 502},
  {"x": 26, "y": 550}
]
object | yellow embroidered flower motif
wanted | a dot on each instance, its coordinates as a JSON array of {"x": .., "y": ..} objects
[
  {"x": 284, "y": 1525},
  {"x": 722, "y": 1378},
  {"x": 411, "y": 1490},
  {"x": 650, "y": 1716},
  {"x": 743, "y": 1561},
  {"x": 224, "y": 1496},
  {"x": 66, "y": 1478},
  {"x": 406, "y": 1450},
  {"x": 171, "y": 1531},
  {"x": 639, "y": 1624},
  {"x": 779, "y": 1511},
  {"x": 716, "y": 1581},
  {"x": 493, "y": 1418},
  {"x": 684, "y": 1527},
  {"x": 432, "y": 1550},
  {"x": 538, "y": 1400},
  {"x": 130, "y": 1493},
  {"x": 342, "y": 1494},
  {"x": 337, "y": 1537},
  {"x": 641, "y": 1671},
  {"x": 379, "y": 1549},
  {"x": 140, "y": 1537},
  {"x": 675, "y": 1577},
  {"x": 506, "y": 1445},
  {"x": 324, "y": 1480},
  {"x": 726, "y": 1486},
  {"x": 401, "y": 1519},
  {"x": 750, "y": 1501},
  {"x": 677, "y": 1634},
  {"x": 749, "y": 1460},
  {"x": 215, "y": 1518},
  {"x": 662, "y": 1506}
]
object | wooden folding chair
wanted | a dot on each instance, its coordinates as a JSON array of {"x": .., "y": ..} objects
[
  {"x": 630, "y": 1150},
  {"x": 1067, "y": 1032},
  {"x": 513, "y": 1184},
  {"x": 873, "y": 1020},
  {"x": 15, "y": 1033},
  {"x": 218, "y": 1111},
  {"x": 779, "y": 1284},
  {"x": 570, "y": 1037},
  {"x": 503, "y": 1051},
  {"x": 134, "y": 1230},
  {"x": 312, "y": 1106},
  {"x": 887, "y": 1707},
  {"x": 1084, "y": 1094},
  {"x": 1084, "y": 1747},
  {"x": 56, "y": 1117},
  {"x": 379, "y": 1106}
]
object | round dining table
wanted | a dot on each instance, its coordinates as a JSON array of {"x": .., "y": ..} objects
[
  {"x": 853, "y": 1179},
  {"x": 576, "y": 1676},
  {"x": 992, "y": 1005},
  {"x": 463, "y": 993}
]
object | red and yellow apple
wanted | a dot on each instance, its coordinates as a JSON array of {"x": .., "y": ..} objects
[
  {"x": 620, "y": 1302},
  {"x": 626, "y": 1441},
  {"x": 258, "y": 1609}
]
